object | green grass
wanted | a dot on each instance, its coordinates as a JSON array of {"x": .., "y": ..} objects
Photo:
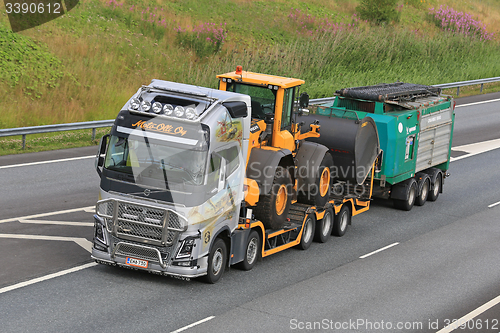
[{"x": 85, "y": 65}]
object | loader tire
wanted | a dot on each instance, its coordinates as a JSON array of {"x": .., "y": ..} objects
[
  {"x": 272, "y": 209},
  {"x": 319, "y": 194}
]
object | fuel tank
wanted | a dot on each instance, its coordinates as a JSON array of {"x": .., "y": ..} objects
[{"x": 353, "y": 144}]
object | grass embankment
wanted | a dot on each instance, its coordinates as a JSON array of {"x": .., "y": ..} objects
[{"x": 85, "y": 65}]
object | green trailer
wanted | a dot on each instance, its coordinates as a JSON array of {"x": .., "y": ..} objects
[{"x": 415, "y": 129}]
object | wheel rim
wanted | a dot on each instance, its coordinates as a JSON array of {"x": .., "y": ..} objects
[
  {"x": 307, "y": 234},
  {"x": 436, "y": 186},
  {"x": 425, "y": 191},
  {"x": 217, "y": 261},
  {"x": 281, "y": 197},
  {"x": 252, "y": 250},
  {"x": 324, "y": 182},
  {"x": 343, "y": 221},
  {"x": 411, "y": 195},
  {"x": 327, "y": 222}
]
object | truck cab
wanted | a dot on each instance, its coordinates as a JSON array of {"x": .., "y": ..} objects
[{"x": 172, "y": 173}]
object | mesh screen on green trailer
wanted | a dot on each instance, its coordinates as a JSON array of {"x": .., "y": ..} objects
[{"x": 398, "y": 91}]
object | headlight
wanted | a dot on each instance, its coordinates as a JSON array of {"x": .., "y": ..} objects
[
  {"x": 168, "y": 109},
  {"x": 186, "y": 248},
  {"x": 145, "y": 106},
  {"x": 135, "y": 103},
  {"x": 190, "y": 113},
  {"x": 157, "y": 107},
  {"x": 179, "y": 111}
]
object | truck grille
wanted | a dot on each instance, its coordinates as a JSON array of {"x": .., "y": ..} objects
[
  {"x": 140, "y": 252},
  {"x": 140, "y": 223}
]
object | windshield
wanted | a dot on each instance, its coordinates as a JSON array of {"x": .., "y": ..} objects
[
  {"x": 148, "y": 161},
  {"x": 263, "y": 98}
]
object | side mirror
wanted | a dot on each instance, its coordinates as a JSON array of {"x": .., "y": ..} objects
[
  {"x": 304, "y": 100},
  {"x": 99, "y": 158}
]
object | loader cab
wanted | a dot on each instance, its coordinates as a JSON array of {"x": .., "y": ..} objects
[{"x": 272, "y": 101}]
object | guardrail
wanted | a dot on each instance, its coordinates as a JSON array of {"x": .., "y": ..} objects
[
  {"x": 467, "y": 83},
  {"x": 23, "y": 131}
]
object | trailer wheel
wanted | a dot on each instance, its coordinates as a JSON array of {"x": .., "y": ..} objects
[
  {"x": 424, "y": 192},
  {"x": 320, "y": 193},
  {"x": 217, "y": 259},
  {"x": 324, "y": 227},
  {"x": 341, "y": 221},
  {"x": 272, "y": 209},
  {"x": 307, "y": 232},
  {"x": 438, "y": 183},
  {"x": 411, "y": 196},
  {"x": 252, "y": 252}
]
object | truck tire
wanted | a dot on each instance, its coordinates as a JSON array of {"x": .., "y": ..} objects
[
  {"x": 217, "y": 259},
  {"x": 424, "y": 186},
  {"x": 252, "y": 252},
  {"x": 307, "y": 232},
  {"x": 324, "y": 227},
  {"x": 320, "y": 193},
  {"x": 436, "y": 188},
  {"x": 341, "y": 221},
  {"x": 272, "y": 209},
  {"x": 411, "y": 195}
]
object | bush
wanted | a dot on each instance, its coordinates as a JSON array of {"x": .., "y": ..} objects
[
  {"x": 378, "y": 11},
  {"x": 205, "y": 39},
  {"x": 462, "y": 23}
]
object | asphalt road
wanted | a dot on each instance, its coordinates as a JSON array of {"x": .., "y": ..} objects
[{"x": 444, "y": 265}]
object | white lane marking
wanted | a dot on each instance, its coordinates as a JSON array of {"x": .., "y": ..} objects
[
  {"x": 46, "y": 162},
  {"x": 379, "y": 250},
  {"x": 46, "y": 277},
  {"x": 83, "y": 242},
  {"x": 193, "y": 324},
  {"x": 13, "y": 219},
  {"x": 476, "y": 148},
  {"x": 75, "y": 224},
  {"x": 493, "y": 205},
  {"x": 471, "y": 315},
  {"x": 476, "y": 103}
]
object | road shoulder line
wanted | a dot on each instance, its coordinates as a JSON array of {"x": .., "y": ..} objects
[{"x": 46, "y": 277}]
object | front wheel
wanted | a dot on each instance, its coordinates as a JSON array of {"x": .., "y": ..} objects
[
  {"x": 341, "y": 221},
  {"x": 272, "y": 209},
  {"x": 252, "y": 252},
  {"x": 324, "y": 227},
  {"x": 411, "y": 195},
  {"x": 217, "y": 259}
]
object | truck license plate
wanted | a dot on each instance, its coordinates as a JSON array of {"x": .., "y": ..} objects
[{"x": 136, "y": 262}]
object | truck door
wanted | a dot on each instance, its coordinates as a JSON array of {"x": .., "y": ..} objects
[{"x": 286, "y": 115}]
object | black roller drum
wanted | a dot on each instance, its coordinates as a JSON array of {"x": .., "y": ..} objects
[{"x": 353, "y": 144}]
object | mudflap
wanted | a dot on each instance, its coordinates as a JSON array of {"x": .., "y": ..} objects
[{"x": 238, "y": 245}]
